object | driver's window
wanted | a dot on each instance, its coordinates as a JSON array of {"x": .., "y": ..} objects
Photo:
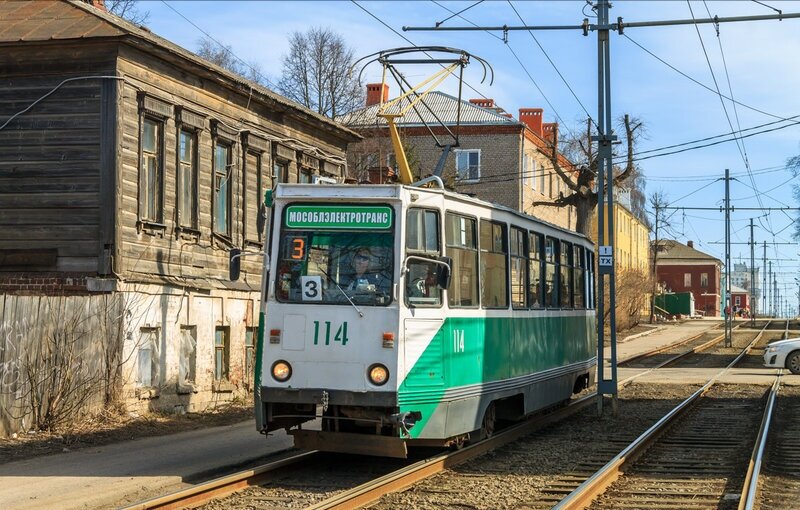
[{"x": 422, "y": 240}]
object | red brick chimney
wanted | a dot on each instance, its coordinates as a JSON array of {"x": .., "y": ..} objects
[
  {"x": 375, "y": 95},
  {"x": 690, "y": 244},
  {"x": 483, "y": 103},
  {"x": 100, "y": 4},
  {"x": 532, "y": 117},
  {"x": 550, "y": 132}
]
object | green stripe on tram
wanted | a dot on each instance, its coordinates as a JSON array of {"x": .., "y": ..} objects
[{"x": 467, "y": 351}]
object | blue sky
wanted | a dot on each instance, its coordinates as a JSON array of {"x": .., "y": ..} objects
[{"x": 760, "y": 58}]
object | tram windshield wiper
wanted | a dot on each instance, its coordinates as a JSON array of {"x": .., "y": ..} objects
[{"x": 329, "y": 277}]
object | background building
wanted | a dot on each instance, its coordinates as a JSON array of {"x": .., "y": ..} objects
[
  {"x": 500, "y": 159},
  {"x": 682, "y": 268}
]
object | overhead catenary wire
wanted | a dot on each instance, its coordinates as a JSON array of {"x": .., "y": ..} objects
[{"x": 521, "y": 64}]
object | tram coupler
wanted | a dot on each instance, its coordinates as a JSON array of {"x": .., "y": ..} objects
[{"x": 406, "y": 420}]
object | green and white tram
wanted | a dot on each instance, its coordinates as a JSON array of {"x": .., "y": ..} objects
[{"x": 405, "y": 315}]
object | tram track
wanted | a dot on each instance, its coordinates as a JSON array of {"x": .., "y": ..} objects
[
  {"x": 692, "y": 458},
  {"x": 267, "y": 488}
]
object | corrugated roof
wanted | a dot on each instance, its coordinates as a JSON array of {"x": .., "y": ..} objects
[
  {"x": 443, "y": 105},
  {"x": 673, "y": 250},
  {"x": 735, "y": 289},
  {"x": 45, "y": 20}
]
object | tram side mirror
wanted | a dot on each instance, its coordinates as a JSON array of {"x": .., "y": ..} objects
[
  {"x": 443, "y": 277},
  {"x": 235, "y": 264}
]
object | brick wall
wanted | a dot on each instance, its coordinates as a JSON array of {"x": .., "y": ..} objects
[{"x": 48, "y": 284}]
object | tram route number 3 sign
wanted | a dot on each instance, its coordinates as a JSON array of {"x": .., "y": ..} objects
[{"x": 605, "y": 256}]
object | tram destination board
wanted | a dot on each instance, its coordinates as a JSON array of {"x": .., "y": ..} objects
[{"x": 339, "y": 217}]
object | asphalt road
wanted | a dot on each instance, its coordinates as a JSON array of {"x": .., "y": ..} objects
[{"x": 117, "y": 474}]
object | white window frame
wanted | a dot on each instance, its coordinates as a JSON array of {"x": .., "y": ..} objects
[{"x": 469, "y": 179}]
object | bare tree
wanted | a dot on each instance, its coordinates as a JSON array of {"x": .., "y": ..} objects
[
  {"x": 580, "y": 179},
  {"x": 126, "y": 9},
  {"x": 317, "y": 73},
  {"x": 661, "y": 222},
  {"x": 224, "y": 57}
]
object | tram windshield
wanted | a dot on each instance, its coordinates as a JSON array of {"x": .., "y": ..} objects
[{"x": 335, "y": 255}]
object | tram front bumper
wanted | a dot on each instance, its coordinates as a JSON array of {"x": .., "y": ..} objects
[{"x": 323, "y": 397}]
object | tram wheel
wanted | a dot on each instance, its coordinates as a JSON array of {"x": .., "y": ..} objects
[{"x": 489, "y": 421}]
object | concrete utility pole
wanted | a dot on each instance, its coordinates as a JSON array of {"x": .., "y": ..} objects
[{"x": 771, "y": 292}]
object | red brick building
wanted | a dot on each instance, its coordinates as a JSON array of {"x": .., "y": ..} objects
[
  {"x": 681, "y": 268},
  {"x": 740, "y": 298}
]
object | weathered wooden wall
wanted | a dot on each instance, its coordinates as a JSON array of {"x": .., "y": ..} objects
[
  {"x": 50, "y": 162},
  {"x": 204, "y": 256},
  {"x": 41, "y": 337}
]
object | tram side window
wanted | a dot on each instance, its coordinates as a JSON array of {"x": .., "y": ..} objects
[
  {"x": 590, "y": 276},
  {"x": 535, "y": 260},
  {"x": 422, "y": 240},
  {"x": 519, "y": 267},
  {"x": 566, "y": 275},
  {"x": 551, "y": 246},
  {"x": 462, "y": 247},
  {"x": 579, "y": 281},
  {"x": 494, "y": 250}
]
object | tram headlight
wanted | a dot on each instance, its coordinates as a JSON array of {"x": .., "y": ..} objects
[
  {"x": 378, "y": 374},
  {"x": 281, "y": 371}
]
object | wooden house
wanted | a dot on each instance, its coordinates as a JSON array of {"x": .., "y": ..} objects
[{"x": 129, "y": 167}]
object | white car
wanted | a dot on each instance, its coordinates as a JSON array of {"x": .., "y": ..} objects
[{"x": 783, "y": 354}]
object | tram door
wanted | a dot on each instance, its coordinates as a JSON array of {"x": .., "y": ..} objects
[{"x": 423, "y": 349}]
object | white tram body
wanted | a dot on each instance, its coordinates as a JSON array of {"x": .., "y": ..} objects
[{"x": 357, "y": 330}]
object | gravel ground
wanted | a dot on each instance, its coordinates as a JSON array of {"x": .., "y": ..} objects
[
  {"x": 527, "y": 473},
  {"x": 780, "y": 477}
]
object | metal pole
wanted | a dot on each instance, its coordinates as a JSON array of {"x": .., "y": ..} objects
[
  {"x": 764, "y": 286},
  {"x": 752, "y": 275},
  {"x": 605, "y": 211},
  {"x": 771, "y": 292},
  {"x": 728, "y": 300}
]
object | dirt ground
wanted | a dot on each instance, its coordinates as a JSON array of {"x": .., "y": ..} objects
[{"x": 112, "y": 427}]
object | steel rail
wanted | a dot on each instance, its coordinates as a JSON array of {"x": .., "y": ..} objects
[
  {"x": 750, "y": 487},
  {"x": 218, "y": 487},
  {"x": 595, "y": 485},
  {"x": 375, "y": 489}
]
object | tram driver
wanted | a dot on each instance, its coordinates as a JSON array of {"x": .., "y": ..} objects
[{"x": 367, "y": 275}]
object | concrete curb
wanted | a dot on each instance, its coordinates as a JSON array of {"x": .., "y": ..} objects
[{"x": 643, "y": 333}]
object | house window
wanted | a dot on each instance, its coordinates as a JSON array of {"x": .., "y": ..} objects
[
  {"x": 738, "y": 300},
  {"x": 250, "y": 356},
  {"x": 253, "y": 196},
  {"x": 462, "y": 247},
  {"x": 187, "y": 359},
  {"x": 221, "y": 353},
  {"x": 704, "y": 280},
  {"x": 305, "y": 176},
  {"x": 542, "y": 181},
  {"x": 529, "y": 171},
  {"x": 687, "y": 280},
  {"x": 151, "y": 170},
  {"x": 147, "y": 358},
  {"x": 468, "y": 165},
  {"x": 280, "y": 171},
  {"x": 187, "y": 179},
  {"x": 222, "y": 188}
]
